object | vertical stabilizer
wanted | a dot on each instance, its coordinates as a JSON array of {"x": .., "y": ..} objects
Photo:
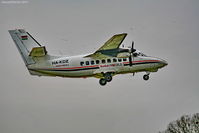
[{"x": 27, "y": 45}]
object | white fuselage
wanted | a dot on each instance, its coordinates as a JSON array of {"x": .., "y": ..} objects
[
  {"x": 81, "y": 66},
  {"x": 110, "y": 59}
]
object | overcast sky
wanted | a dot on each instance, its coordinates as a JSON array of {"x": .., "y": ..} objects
[{"x": 168, "y": 29}]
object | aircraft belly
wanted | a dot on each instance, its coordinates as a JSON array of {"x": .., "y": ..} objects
[
  {"x": 78, "y": 73},
  {"x": 64, "y": 73}
]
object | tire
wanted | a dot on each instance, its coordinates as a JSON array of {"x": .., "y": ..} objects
[
  {"x": 146, "y": 77},
  {"x": 102, "y": 82},
  {"x": 108, "y": 78}
]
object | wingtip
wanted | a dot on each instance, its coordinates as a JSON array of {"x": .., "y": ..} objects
[
  {"x": 121, "y": 34},
  {"x": 19, "y": 29}
]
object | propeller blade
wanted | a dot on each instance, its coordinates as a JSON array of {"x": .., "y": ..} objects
[
  {"x": 130, "y": 61},
  {"x": 132, "y": 48},
  {"x": 132, "y": 44}
]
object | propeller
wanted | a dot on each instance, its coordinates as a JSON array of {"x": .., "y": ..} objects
[{"x": 132, "y": 50}]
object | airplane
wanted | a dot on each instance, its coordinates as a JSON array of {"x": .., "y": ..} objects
[{"x": 109, "y": 60}]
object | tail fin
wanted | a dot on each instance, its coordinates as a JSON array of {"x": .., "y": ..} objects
[{"x": 27, "y": 46}]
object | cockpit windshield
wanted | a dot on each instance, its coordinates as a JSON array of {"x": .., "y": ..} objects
[
  {"x": 138, "y": 53},
  {"x": 141, "y": 54}
]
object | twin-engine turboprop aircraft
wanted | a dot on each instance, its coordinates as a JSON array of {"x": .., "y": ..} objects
[{"x": 106, "y": 62}]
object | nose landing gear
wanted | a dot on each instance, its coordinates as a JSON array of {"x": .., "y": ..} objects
[{"x": 146, "y": 76}]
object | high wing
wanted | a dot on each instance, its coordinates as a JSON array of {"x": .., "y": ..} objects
[
  {"x": 114, "y": 42},
  {"x": 110, "y": 48}
]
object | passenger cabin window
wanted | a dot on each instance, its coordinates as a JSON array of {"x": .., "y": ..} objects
[
  {"x": 124, "y": 59},
  {"x": 92, "y": 62},
  {"x": 108, "y": 60},
  {"x": 97, "y": 61},
  {"x": 87, "y": 62},
  {"x": 103, "y": 61},
  {"x": 82, "y": 63},
  {"x": 114, "y": 60},
  {"x": 119, "y": 59}
]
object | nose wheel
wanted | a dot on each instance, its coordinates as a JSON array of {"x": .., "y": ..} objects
[{"x": 146, "y": 77}]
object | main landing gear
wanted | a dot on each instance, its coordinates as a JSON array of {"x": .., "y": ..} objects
[
  {"x": 146, "y": 76},
  {"x": 107, "y": 78},
  {"x": 102, "y": 81}
]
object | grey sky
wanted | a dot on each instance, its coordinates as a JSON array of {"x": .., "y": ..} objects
[{"x": 163, "y": 28}]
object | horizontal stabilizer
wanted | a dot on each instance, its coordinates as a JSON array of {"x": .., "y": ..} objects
[
  {"x": 27, "y": 45},
  {"x": 38, "y": 51}
]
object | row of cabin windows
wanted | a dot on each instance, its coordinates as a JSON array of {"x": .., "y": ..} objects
[{"x": 103, "y": 61}]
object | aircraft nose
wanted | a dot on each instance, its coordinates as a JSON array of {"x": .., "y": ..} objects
[{"x": 163, "y": 62}]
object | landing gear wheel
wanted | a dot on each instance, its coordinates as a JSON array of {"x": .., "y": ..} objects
[
  {"x": 108, "y": 78},
  {"x": 146, "y": 77},
  {"x": 102, "y": 82}
]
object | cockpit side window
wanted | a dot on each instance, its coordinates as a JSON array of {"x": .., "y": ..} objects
[
  {"x": 138, "y": 54},
  {"x": 135, "y": 54},
  {"x": 141, "y": 54}
]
